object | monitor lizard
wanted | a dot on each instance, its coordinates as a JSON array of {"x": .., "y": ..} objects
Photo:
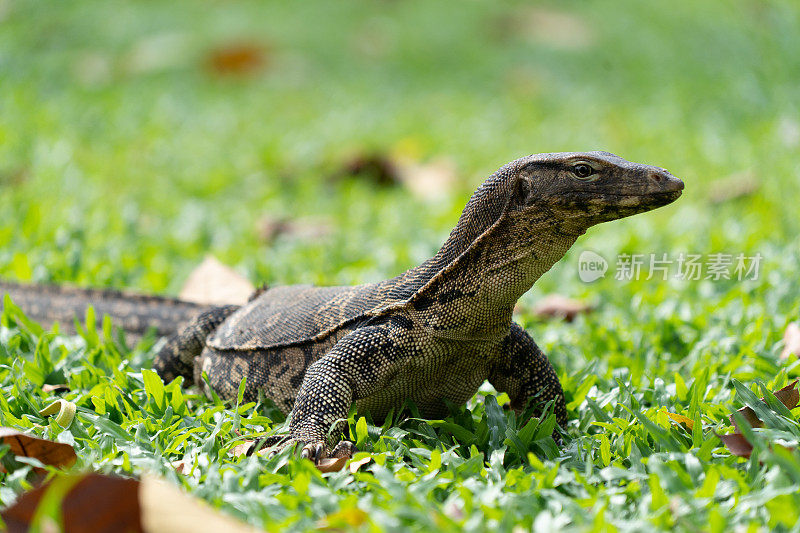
[{"x": 432, "y": 334}]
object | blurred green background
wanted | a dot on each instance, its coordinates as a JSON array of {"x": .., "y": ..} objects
[
  {"x": 336, "y": 143},
  {"x": 135, "y": 137}
]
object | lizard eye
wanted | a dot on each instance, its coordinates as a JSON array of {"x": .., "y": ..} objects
[{"x": 582, "y": 170}]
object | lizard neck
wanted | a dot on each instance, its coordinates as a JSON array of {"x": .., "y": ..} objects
[{"x": 473, "y": 297}]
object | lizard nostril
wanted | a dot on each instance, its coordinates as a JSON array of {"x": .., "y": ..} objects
[{"x": 656, "y": 177}]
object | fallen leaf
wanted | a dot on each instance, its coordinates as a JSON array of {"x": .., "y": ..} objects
[
  {"x": 454, "y": 510},
  {"x": 48, "y": 452},
  {"x": 158, "y": 53},
  {"x": 356, "y": 464},
  {"x": 14, "y": 176},
  {"x": 100, "y": 503},
  {"x": 789, "y": 131},
  {"x": 549, "y": 27},
  {"x": 93, "y": 69},
  {"x": 306, "y": 228},
  {"x": 93, "y": 502},
  {"x": 680, "y": 419},
  {"x": 788, "y": 396},
  {"x": 61, "y": 387},
  {"x": 372, "y": 40},
  {"x": 216, "y": 284},
  {"x": 379, "y": 168},
  {"x": 331, "y": 464},
  {"x": 240, "y": 58},
  {"x": 736, "y": 186},
  {"x": 791, "y": 341},
  {"x": 182, "y": 466},
  {"x": 737, "y": 444},
  {"x": 431, "y": 180},
  {"x": 243, "y": 448},
  {"x": 428, "y": 181},
  {"x": 167, "y": 509},
  {"x": 346, "y": 519},
  {"x": 64, "y": 411},
  {"x": 560, "y": 307}
]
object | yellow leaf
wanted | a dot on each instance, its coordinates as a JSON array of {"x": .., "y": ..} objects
[
  {"x": 605, "y": 450},
  {"x": 66, "y": 412},
  {"x": 352, "y": 517},
  {"x": 680, "y": 419}
]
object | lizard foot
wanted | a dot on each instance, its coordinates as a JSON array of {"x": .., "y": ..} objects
[{"x": 315, "y": 450}]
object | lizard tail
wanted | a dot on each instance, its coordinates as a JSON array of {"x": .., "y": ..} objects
[{"x": 134, "y": 313}]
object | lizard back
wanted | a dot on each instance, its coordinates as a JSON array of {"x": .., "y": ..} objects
[{"x": 295, "y": 314}]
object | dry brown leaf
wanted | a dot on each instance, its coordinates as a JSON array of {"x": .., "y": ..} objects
[
  {"x": 356, "y": 465},
  {"x": 733, "y": 187},
  {"x": 167, "y": 509},
  {"x": 560, "y": 307},
  {"x": 243, "y": 448},
  {"x": 549, "y": 27},
  {"x": 305, "y": 228},
  {"x": 748, "y": 415},
  {"x": 788, "y": 396},
  {"x": 94, "y": 502},
  {"x": 216, "y": 284},
  {"x": 182, "y": 466},
  {"x": 789, "y": 131},
  {"x": 237, "y": 58},
  {"x": 791, "y": 341},
  {"x": 432, "y": 180},
  {"x": 680, "y": 419},
  {"x": 100, "y": 503},
  {"x": 737, "y": 444},
  {"x": 55, "y": 388},
  {"x": 93, "y": 68},
  {"x": 156, "y": 53},
  {"x": 48, "y": 452},
  {"x": 331, "y": 464},
  {"x": 379, "y": 168},
  {"x": 428, "y": 181},
  {"x": 14, "y": 176}
]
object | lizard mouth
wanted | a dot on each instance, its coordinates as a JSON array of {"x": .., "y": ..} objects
[
  {"x": 655, "y": 199},
  {"x": 664, "y": 197}
]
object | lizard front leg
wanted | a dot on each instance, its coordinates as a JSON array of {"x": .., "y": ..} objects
[
  {"x": 525, "y": 373},
  {"x": 351, "y": 370}
]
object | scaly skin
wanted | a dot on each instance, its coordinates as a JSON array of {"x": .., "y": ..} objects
[
  {"x": 430, "y": 335},
  {"x": 436, "y": 332},
  {"x": 136, "y": 313}
]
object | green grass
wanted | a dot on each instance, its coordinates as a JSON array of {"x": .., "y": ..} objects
[{"x": 124, "y": 160}]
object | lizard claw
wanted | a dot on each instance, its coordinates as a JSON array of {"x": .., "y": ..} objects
[
  {"x": 314, "y": 450},
  {"x": 345, "y": 448}
]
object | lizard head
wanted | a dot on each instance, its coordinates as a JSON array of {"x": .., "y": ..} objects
[
  {"x": 521, "y": 205},
  {"x": 526, "y": 216},
  {"x": 588, "y": 188}
]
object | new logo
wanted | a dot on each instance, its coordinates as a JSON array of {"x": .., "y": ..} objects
[{"x": 591, "y": 266}]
